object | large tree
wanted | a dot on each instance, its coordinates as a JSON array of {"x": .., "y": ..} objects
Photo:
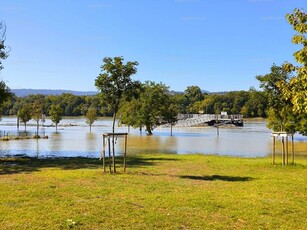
[
  {"x": 192, "y": 95},
  {"x": 280, "y": 115},
  {"x": 296, "y": 88},
  {"x": 152, "y": 108}
]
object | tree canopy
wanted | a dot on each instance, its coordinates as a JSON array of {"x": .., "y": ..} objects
[
  {"x": 296, "y": 88},
  {"x": 56, "y": 113},
  {"x": 280, "y": 113},
  {"x": 4, "y": 90},
  {"x": 153, "y": 107},
  {"x": 3, "y": 52},
  {"x": 24, "y": 114},
  {"x": 115, "y": 83},
  {"x": 91, "y": 116}
]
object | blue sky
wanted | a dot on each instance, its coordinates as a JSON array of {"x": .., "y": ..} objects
[{"x": 218, "y": 45}]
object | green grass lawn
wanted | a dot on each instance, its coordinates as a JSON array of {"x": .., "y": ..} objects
[{"x": 159, "y": 191}]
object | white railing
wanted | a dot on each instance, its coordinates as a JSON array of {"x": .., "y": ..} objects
[{"x": 187, "y": 120}]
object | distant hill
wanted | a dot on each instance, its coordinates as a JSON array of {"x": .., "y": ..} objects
[{"x": 26, "y": 92}]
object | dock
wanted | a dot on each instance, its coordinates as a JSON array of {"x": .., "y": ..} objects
[{"x": 190, "y": 120}]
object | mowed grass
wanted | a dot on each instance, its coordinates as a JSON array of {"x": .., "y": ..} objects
[{"x": 158, "y": 191}]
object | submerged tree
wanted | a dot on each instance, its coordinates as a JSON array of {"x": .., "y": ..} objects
[
  {"x": 37, "y": 114},
  {"x": 170, "y": 111},
  {"x": 91, "y": 116},
  {"x": 24, "y": 114},
  {"x": 56, "y": 113},
  {"x": 152, "y": 108}
]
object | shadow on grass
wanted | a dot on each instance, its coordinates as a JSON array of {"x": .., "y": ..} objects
[
  {"x": 13, "y": 165},
  {"x": 23, "y": 164},
  {"x": 218, "y": 177},
  {"x": 135, "y": 161}
]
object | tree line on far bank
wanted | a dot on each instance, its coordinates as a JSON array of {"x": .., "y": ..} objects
[{"x": 250, "y": 103}]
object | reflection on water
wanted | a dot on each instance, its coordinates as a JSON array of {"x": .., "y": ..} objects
[{"x": 74, "y": 139}]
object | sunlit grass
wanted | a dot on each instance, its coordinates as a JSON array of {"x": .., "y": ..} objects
[{"x": 158, "y": 191}]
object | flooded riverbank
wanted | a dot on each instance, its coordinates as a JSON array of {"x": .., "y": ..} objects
[{"x": 75, "y": 139}]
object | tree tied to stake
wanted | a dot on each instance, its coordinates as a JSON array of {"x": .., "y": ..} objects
[{"x": 116, "y": 86}]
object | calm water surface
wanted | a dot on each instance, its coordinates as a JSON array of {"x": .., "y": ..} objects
[{"x": 75, "y": 139}]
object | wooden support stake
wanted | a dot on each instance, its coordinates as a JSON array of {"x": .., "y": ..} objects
[
  {"x": 283, "y": 150},
  {"x": 287, "y": 150},
  {"x": 109, "y": 139},
  {"x": 109, "y": 145},
  {"x": 292, "y": 142},
  {"x": 113, "y": 153},
  {"x": 104, "y": 154},
  {"x": 273, "y": 154},
  {"x": 125, "y": 153}
]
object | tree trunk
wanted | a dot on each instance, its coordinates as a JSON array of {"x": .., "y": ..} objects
[
  {"x": 37, "y": 126},
  {"x": 148, "y": 130},
  {"x": 171, "y": 129},
  {"x": 56, "y": 127},
  {"x": 90, "y": 128}
]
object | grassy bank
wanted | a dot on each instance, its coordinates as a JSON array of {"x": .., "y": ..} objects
[{"x": 157, "y": 192}]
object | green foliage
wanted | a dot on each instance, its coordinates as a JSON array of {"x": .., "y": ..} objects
[
  {"x": 3, "y": 52},
  {"x": 296, "y": 88},
  {"x": 286, "y": 86},
  {"x": 191, "y": 95},
  {"x": 56, "y": 113},
  {"x": 250, "y": 103},
  {"x": 5, "y": 93},
  {"x": 4, "y": 90},
  {"x": 115, "y": 83},
  {"x": 37, "y": 113},
  {"x": 280, "y": 115},
  {"x": 24, "y": 114},
  {"x": 153, "y": 106},
  {"x": 91, "y": 116}
]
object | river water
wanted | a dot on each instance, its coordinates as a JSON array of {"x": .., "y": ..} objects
[{"x": 75, "y": 139}]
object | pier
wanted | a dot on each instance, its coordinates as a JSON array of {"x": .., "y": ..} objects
[{"x": 189, "y": 120}]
